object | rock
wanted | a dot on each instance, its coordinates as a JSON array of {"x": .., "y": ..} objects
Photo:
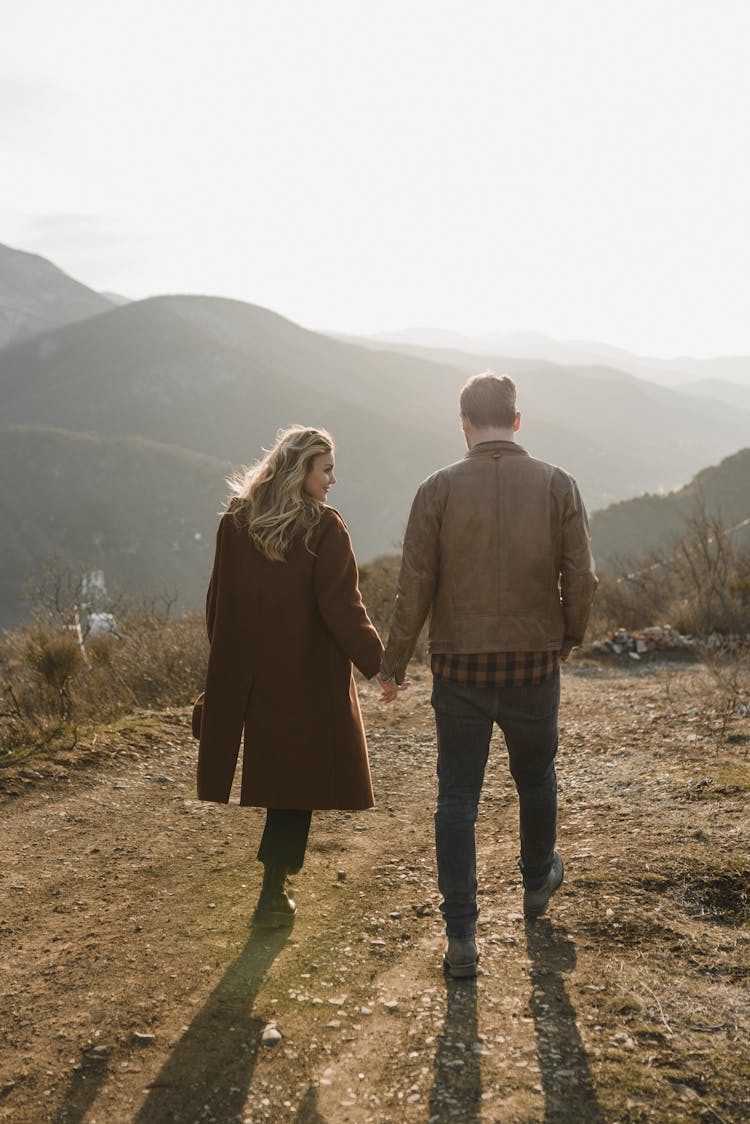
[
  {"x": 98, "y": 1053},
  {"x": 143, "y": 1039},
  {"x": 390, "y": 1005},
  {"x": 271, "y": 1036},
  {"x": 341, "y": 875}
]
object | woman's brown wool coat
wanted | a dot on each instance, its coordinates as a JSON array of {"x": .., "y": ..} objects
[{"x": 283, "y": 639}]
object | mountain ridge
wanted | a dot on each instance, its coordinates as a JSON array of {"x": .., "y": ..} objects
[
  {"x": 625, "y": 533},
  {"x": 36, "y": 295}
]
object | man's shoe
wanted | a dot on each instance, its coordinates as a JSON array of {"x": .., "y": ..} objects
[
  {"x": 461, "y": 957},
  {"x": 275, "y": 908},
  {"x": 535, "y": 901}
]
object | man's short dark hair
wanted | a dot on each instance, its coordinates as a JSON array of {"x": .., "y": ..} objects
[{"x": 489, "y": 401}]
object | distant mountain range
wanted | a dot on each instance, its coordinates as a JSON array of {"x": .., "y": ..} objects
[
  {"x": 118, "y": 429},
  {"x": 679, "y": 372}
]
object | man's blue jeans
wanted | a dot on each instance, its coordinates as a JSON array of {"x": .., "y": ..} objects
[{"x": 465, "y": 717}]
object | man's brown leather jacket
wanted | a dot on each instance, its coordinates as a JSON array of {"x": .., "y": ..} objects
[{"x": 497, "y": 550}]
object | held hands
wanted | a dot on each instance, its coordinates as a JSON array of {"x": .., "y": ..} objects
[{"x": 391, "y": 688}]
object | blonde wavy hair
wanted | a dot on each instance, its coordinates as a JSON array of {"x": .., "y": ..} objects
[{"x": 268, "y": 497}]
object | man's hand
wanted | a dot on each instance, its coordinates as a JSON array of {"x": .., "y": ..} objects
[{"x": 390, "y": 688}]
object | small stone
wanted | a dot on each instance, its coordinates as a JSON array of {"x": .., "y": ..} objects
[
  {"x": 99, "y": 1052},
  {"x": 390, "y": 1005},
  {"x": 341, "y": 875},
  {"x": 143, "y": 1039},
  {"x": 334, "y": 1024},
  {"x": 271, "y": 1036},
  {"x": 365, "y": 1011}
]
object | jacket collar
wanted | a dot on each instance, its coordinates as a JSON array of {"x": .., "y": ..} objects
[{"x": 490, "y": 448}]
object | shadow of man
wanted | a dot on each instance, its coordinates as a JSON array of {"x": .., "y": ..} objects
[
  {"x": 208, "y": 1074},
  {"x": 566, "y": 1077},
  {"x": 457, "y": 1085}
]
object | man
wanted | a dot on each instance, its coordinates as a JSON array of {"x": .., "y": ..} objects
[{"x": 497, "y": 552}]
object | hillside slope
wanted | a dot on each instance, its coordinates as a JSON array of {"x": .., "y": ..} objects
[
  {"x": 144, "y": 513},
  {"x": 35, "y": 295},
  {"x": 220, "y": 376},
  {"x": 631, "y": 529}
]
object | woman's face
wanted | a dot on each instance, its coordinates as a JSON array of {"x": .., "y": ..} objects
[{"x": 320, "y": 477}]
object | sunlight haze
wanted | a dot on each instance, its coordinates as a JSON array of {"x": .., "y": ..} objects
[{"x": 578, "y": 169}]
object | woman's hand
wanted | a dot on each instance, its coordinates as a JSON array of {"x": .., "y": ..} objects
[{"x": 391, "y": 688}]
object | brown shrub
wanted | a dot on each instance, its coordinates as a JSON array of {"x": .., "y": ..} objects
[
  {"x": 700, "y": 586},
  {"x": 50, "y": 680}
]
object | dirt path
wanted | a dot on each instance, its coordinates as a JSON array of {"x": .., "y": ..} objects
[{"x": 126, "y": 907}]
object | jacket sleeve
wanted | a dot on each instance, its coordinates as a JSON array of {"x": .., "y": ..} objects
[
  {"x": 418, "y": 579},
  {"x": 336, "y": 587},
  {"x": 578, "y": 579}
]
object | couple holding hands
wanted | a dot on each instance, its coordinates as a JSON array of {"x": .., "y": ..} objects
[{"x": 496, "y": 553}]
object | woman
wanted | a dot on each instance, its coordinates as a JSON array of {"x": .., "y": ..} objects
[{"x": 285, "y": 624}]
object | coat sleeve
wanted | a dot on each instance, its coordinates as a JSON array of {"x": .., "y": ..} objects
[
  {"x": 578, "y": 579},
  {"x": 213, "y": 585},
  {"x": 226, "y": 692},
  {"x": 418, "y": 578},
  {"x": 336, "y": 587}
]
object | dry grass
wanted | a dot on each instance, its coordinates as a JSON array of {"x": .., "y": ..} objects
[{"x": 52, "y": 686}]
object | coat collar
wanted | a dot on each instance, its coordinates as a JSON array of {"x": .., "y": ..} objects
[{"x": 492, "y": 448}]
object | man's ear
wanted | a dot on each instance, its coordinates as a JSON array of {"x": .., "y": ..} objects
[{"x": 517, "y": 422}]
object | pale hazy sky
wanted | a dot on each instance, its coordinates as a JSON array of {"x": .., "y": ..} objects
[{"x": 575, "y": 167}]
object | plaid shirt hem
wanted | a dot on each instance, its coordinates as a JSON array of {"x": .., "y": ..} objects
[{"x": 495, "y": 669}]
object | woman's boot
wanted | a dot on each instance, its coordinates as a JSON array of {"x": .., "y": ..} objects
[{"x": 275, "y": 908}]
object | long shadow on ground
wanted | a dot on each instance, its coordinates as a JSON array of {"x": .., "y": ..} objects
[
  {"x": 457, "y": 1086},
  {"x": 82, "y": 1091},
  {"x": 566, "y": 1076},
  {"x": 209, "y": 1072}
]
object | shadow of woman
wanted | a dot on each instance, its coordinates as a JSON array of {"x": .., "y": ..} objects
[
  {"x": 566, "y": 1076},
  {"x": 208, "y": 1074},
  {"x": 82, "y": 1091},
  {"x": 457, "y": 1085}
]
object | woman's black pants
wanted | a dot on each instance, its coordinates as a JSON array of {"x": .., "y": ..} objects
[{"x": 284, "y": 838}]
